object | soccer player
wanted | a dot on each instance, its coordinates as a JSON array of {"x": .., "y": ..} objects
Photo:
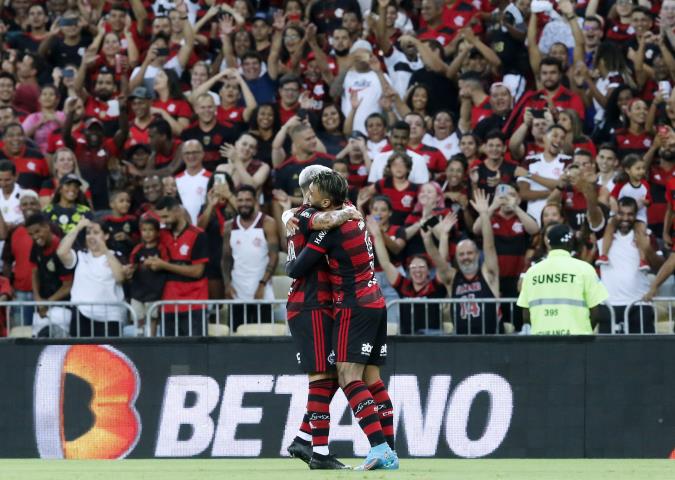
[
  {"x": 310, "y": 320},
  {"x": 360, "y": 325}
]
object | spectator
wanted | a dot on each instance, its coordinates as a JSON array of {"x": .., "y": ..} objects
[
  {"x": 443, "y": 135},
  {"x": 147, "y": 285},
  {"x": 250, "y": 255},
  {"x": 494, "y": 170},
  {"x": 121, "y": 227},
  {"x": 626, "y": 282},
  {"x": 64, "y": 163},
  {"x": 188, "y": 254},
  {"x": 192, "y": 182},
  {"x": 69, "y": 204},
  {"x": 30, "y": 165},
  {"x": 16, "y": 265},
  {"x": 399, "y": 137},
  {"x": 396, "y": 186},
  {"x": 51, "y": 281},
  {"x": 242, "y": 167},
  {"x": 41, "y": 124},
  {"x": 435, "y": 160},
  {"x": 471, "y": 280},
  {"x": 98, "y": 277},
  {"x": 544, "y": 170},
  {"x": 331, "y": 128},
  {"x": 511, "y": 228},
  {"x": 10, "y": 195},
  {"x": 428, "y": 210}
]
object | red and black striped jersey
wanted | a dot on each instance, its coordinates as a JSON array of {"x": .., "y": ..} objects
[
  {"x": 312, "y": 290},
  {"x": 511, "y": 242},
  {"x": 351, "y": 264}
]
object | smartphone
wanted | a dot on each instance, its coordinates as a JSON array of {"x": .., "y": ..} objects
[
  {"x": 294, "y": 17},
  {"x": 538, "y": 112},
  {"x": 302, "y": 114},
  {"x": 501, "y": 190},
  {"x": 219, "y": 179},
  {"x": 431, "y": 223},
  {"x": 68, "y": 22},
  {"x": 162, "y": 52},
  {"x": 665, "y": 88},
  {"x": 68, "y": 73}
]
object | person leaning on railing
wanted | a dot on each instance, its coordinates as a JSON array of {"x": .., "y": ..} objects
[{"x": 98, "y": 278}]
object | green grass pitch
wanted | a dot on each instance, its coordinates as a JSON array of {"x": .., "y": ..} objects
[{"x": 291, "y": 469}]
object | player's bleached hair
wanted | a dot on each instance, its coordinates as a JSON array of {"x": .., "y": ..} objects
[{"x": 308, "y": 174}]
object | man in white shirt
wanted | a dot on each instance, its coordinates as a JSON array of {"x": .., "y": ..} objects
[
  {"x": 399, "y": 136},
  {"x": 192, "y": 183},
  {"x": 545, "y": 169},
  {"x": 362, "y": 79},
  {"x": 10, "y": 193},
  {"x": 625, "y": 282}
]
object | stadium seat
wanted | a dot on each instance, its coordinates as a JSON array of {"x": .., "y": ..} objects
[
  {"x": 281, "y": 286},
  {"x": 261, "y": 330},
  {"x": 218, "y": 330}
]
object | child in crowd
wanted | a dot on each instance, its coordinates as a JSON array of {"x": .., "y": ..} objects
[
  {"x": 147, "y": 286},
  {"x": 122, "y": 228},
  {"x": 630, "y": 183}
]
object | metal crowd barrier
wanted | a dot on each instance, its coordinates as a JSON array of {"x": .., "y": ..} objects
[
  {"x": 657, "y": 305},
  {"x": 208, "y": 317},
  {"x": 446, "y": 317},
  {"x": 20, "y": 316}
]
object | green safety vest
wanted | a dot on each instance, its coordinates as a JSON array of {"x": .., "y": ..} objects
[{"x": 559, "y": 291}]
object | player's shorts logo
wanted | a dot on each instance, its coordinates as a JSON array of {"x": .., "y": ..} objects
[
  {"x": 366, "y": 349},
  {"x": 331, "y": 357},
  {"x": 107, "y": 426}
]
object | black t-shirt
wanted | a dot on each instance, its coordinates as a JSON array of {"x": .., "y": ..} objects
[
  {"x": 50, "y": 270},
  {"x": 127, "y": 224},
  {"x": 212, "y": 141},
  {"x": 62, "y": 54},
  {"x": 327, "y": 14},
  {"x": 146, "y": 285},
  {"x": 286, "y": 175}
]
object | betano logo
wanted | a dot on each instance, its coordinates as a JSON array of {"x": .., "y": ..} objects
[{"x": 112, "y": 383}]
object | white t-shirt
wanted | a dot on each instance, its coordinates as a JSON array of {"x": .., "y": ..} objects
[
  {"x": 418, "y": 174},
  {"x": 541, "y": 167},
  {"x": 369, "y": 91},
  {"x": 624, "y": 281},
  {"x": 400, "y": 70},
  {"x": 9, "y": 206},
  {"x": 449, "y": 146},
  {"x": 93, "y": 281},
  {"x": 375, "y": 148},
  {"x": 192, "y": 190}
]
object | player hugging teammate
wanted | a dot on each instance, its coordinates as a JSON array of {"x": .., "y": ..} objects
[{"x": 337, "y": 317}]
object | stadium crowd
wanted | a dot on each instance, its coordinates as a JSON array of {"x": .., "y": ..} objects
[{"x": 148, "y": 149}]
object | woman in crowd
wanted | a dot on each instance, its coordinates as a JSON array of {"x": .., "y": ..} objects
[
  {"x": 98, "y": 277},
  {"x": 64, "y": 163}
]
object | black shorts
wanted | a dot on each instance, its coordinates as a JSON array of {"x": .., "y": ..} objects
[
  {"x": 360, "y": 335},
  {"x": 312, "y": 332}
]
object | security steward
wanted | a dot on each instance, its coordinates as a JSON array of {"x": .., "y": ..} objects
[{"x": 560, "y": 295}]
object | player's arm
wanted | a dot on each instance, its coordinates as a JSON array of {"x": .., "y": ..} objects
[
  {"x": 332, "y": 219},
  {"x": 311, "y": 254}
]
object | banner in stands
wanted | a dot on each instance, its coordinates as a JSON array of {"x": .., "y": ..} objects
[{"x": 453, "y": 397}]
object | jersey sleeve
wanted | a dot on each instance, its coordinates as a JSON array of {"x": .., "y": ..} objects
[
  {"x": 616, "y": 191},
  {"x": 313, "y": 252},
  {"x": 594, "y": 291},
  {"x": 305, "y": 221}
]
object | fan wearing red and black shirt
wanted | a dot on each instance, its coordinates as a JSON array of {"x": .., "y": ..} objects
[
  {"x": 396, "y": 186},
  {"x": 510, "y": 227},
  {"x": 436, "y": 161},
  {"x": 188, "y": 253},
  {"x": 31, "y": 167},
  {"x": 360, "y": 327},
  {"x": 553, "y": 93},
  {"x": 494, "y": 170},
  {"x": 435, "y": 28}
]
